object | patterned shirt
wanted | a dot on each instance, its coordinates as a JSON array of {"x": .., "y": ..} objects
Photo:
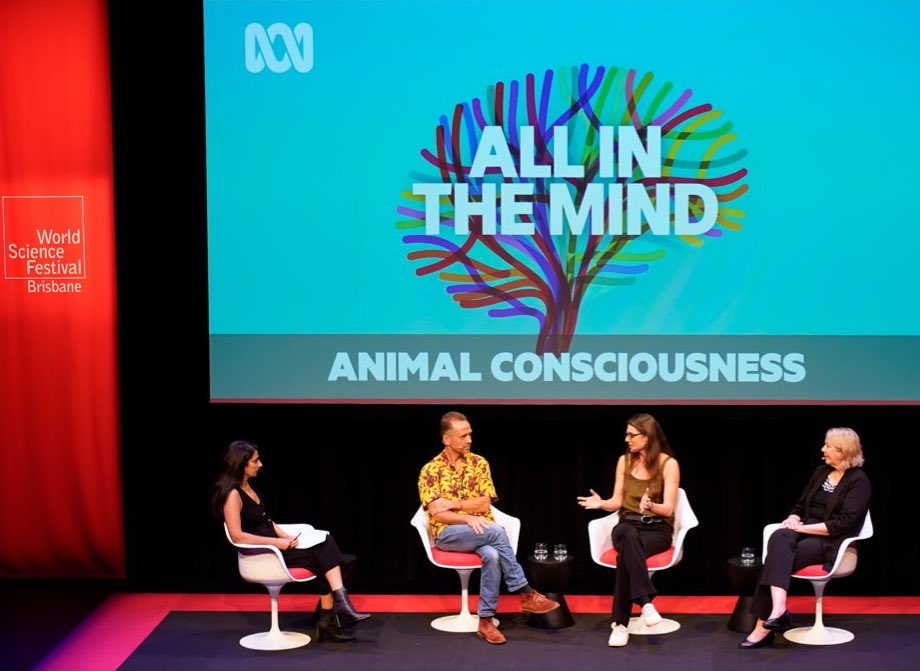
[{"x": 438, "y": 479}]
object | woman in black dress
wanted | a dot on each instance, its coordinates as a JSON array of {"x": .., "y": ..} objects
[{"x": 241, "y": 507}]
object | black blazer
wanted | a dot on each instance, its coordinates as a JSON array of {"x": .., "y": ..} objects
[{"x": 845, "y": 511}]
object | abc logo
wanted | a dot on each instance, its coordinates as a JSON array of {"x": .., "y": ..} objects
[{"x": 262, "y": 52}]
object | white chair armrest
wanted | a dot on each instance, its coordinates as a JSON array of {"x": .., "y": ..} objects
[
  {"x": 599, "y": 531},
  {"x": 261, "y": 563},
  {"x": 845, "y": 563},
  {"x": 250, "y": 546},
  {"x": 511, "y": 525},
  {"x": 420, "y": 522},
  {"x": 684, "y": 520},
  {"x": 767, "y": 532},
  {"x": 678, "y": 545}
]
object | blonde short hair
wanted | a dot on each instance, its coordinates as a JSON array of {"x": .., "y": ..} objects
[{"x": 847, "y": 441}]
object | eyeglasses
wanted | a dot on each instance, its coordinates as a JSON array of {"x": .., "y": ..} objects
[{"x": 629, "y": 435}]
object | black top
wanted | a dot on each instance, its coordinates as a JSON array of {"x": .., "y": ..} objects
[
  {"x": 843, "y": 511},
  {"x": 253, "y": 517}
]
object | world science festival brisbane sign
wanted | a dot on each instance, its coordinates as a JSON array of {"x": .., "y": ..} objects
[{"x": 539, "y": 206}]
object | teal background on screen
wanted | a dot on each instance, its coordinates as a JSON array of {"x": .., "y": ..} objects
[{"x": 305, "y": 171}]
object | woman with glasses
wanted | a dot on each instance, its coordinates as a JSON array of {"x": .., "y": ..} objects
[
  {"x": 832, "y": 507},
  {"x": 645, "y": 494}
]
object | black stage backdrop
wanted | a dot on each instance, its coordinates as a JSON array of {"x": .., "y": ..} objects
[{"x": 352, "y": 469}]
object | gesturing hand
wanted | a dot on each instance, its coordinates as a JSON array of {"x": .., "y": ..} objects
[
  {"x": 646, "y": 503},
  {"x": 592, "y": 502}
]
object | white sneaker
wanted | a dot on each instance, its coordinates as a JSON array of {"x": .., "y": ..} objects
[
  {"x": 619, "y": 636},
  {"x": 650, "y": 616}
]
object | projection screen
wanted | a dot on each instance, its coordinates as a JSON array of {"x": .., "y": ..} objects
[{"x": 562, "y": 202}]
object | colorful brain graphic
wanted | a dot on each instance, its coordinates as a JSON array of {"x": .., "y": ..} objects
[{"x": 582, "y": 177}]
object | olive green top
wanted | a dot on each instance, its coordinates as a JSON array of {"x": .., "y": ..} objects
[{"x": 633, "y": 489}]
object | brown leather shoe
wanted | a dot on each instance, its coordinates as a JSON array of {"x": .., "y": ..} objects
[
  {"x": 534, "y": 602},
  {"x": 489, "y": 632}
]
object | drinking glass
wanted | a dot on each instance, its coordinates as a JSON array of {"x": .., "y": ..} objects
[
  {"x": 539, "y": 551},
  {"x": 560, "y": 552},
  {"x": 747, "y": 555}
]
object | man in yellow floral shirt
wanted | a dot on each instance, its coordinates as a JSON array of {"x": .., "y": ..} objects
[{"x": 457, "y": 491}]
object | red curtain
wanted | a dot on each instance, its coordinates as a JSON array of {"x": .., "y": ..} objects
[{"x": 60, "y": 502}]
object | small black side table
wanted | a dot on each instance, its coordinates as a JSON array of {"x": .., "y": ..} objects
[
  {"x": 744, "y": 579},
  {"x": 552, "y": 578}
]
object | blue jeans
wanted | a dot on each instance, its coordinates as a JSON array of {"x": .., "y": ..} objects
[{"x": 497, "y": 557}]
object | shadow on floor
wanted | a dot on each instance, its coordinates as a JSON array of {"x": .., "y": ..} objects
[{"x": 36, "y": 615}]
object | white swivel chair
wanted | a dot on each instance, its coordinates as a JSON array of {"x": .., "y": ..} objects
[
  {"x": 603, "y": 553},
  {"x": 264, "y": 564},
  {"x": 464, "y": 563},
  {"x": 844, "y": 565}
]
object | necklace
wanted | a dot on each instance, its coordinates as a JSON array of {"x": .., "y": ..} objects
[{"x": 828, "y": 486}]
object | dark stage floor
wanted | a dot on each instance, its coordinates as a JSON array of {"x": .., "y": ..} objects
[
  {"x": 196, "y": 641},
  {"x": 94, "y": 625}
]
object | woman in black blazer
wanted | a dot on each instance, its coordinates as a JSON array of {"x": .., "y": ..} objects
[{"x": 832, "y": 508}]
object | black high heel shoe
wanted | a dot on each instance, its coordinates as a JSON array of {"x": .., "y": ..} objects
[
  {"x": 766, "y": 640},
  {"x": 327, "y": 628},
  {"x": 781, "y": 623}
]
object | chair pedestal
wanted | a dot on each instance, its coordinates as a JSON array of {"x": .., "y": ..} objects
[
  {"x": 274, "y": 638},
  {"x": 464, "y": 622},
  {"x": 818, "y": 634},
  {"x": 637, "y": 626}
]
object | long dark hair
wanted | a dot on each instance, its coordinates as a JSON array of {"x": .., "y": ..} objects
[
  {"x": 657, "y": 445},
  {"x": 230, "y": 473}
]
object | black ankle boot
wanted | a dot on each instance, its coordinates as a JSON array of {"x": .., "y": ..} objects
[
  {"x": 327, "y": 628},
  {"x": 344, "y": 610}
]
